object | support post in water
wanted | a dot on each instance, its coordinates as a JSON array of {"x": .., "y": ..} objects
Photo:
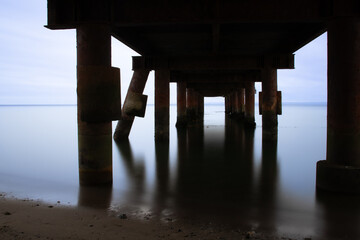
[
  {"x": 227, "y": 104},
  {"x": 269, "y": 104},
  {"x": 340, "y": 171},
  {"x": 136, "y": 88},
  {"x": 201, "y": 107},
  {"x": 192, "y": 105},
  {"x": 181, "y": 104},
  {"x": 250, "y": 104},
  {"x": 94, "y": 82},
  {"x": 162, "y": 104},
  {"x": 239, "y": 103}
]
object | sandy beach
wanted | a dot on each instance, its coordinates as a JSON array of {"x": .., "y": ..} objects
[{"x": 30, "y": 219}]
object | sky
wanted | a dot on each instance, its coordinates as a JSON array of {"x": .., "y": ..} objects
[{"x": 38, "y": 65}]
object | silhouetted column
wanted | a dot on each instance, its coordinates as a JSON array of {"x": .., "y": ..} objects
[
  {"x": 137, "y": 85},
  {"x": 192, "y": 104},
  {"x": 250, "y": 104},
  {"x": 181, "y": 104},
  {"x": 341, "y": 170},
  {"x": 94, "y": 138},
  {"x": 201, "y": 107},
  {"x": 269, "y": 104},
  {"x": 231, "y": 103},
  {"x": 240, "y": 103},
  {"x": 227, "y": 104},
  {"x": 162, "y": 104}
]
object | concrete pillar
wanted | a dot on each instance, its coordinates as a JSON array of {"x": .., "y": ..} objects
[
  {"x": 239, "y": 103},
  {"x": 341, "y": 169},
  {"x": 269, "y": 104},
  {"x": 162, "y": 104},
  {"x": 136, "y": 86},
  {"x": 94, "y": 138},
  {"x": 200, "y": 107},
  {"x": 250, "y": 104},
  {"x": 192, "y": 104},
  {"x": 227, "y": 104},
  {"x": 233, "y": 103},
  {"x": 181, "y": 104},
  {"x": 230, "y": 103}
]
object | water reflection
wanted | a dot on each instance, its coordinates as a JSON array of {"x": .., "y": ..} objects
[
  {"x": 215, "y": 177},
  {"x": 162, "y": 172},
  {"x": 339, "y": 214},
  {"x": 134, "y": 167},
  {"x": 268, "y": 185},
  {"x": 215, "y": 172},
  {"x": 134, "y": 188}
]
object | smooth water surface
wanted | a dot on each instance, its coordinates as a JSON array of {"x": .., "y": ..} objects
[{"x": 216, "y": 172}]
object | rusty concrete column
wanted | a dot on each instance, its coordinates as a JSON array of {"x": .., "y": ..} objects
[
  {"x": 341, "y": 169},
  {"x": 241, "y": 99},
  {"x": 162, "y": 104},
  {"x": 269, "y": 104},
  {"x": 230, "y": 103},
  {"x": 201, "y": 106},
  {"x": 239, "y": 103},
  {"x": 181, "y": 104},
  {"x": 192, "y": 104},
  {"x": 137, "y": 85},
  {"x": 227, "y": 104},
  {"x": 250, "y": 104},
  {"x": 94, "y": 138}
]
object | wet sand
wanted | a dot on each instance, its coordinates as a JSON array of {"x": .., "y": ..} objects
[{"x": 30, "y": 219}]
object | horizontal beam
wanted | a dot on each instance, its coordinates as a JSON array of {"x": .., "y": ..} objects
[
  {"x": 284, "y": 61},
  {"x": 68, "y": 13},
  {"x": 215, "y": 86},
  {"x": 215, "y": 77},
  {"x": 207, "y": 92}
]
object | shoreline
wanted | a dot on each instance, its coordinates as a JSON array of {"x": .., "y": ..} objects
[{"x": 32, "y": 219}]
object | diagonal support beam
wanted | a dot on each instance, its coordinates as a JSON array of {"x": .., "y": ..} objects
[{"x": 136, "y": 86}]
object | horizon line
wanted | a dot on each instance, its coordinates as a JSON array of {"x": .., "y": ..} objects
[{"x": 150, "y": 104}]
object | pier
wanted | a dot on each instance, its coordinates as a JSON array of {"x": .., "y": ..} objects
[{"x": 210, "y": 48}]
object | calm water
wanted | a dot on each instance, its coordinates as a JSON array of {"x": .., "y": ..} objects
[{"x": 217, "y": 172}]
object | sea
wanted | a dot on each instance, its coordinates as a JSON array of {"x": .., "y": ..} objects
[{"x": 216, "y": 171}]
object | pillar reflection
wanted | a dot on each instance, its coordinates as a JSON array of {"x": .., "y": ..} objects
[
  {"x": 215, "y": 175},
  {"x": 134, "y": 167},
  {"x": 268, "y": 185},
  {"x": 162, "y": 171},
  {"x": 339, "y": 215},
  {"x": 98, "y": 197}
]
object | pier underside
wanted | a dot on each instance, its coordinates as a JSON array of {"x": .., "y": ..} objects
[{"x": 211, "y": 48}]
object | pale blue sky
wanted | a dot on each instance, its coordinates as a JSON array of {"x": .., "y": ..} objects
[{"x": 38, "y": 65}]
